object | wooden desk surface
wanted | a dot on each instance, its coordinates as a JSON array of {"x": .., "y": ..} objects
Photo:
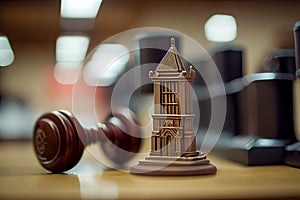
[{"x": 21, "y": 177}]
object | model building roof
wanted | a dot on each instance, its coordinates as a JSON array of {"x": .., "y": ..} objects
[{"x": 171, "y": 61}]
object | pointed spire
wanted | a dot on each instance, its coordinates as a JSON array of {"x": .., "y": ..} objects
[
  {"x": 171, "y": 61},
  {"x": 172, "y": 42}
]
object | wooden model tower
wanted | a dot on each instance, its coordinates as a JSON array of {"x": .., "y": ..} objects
[{"x": 173, "y": 144}]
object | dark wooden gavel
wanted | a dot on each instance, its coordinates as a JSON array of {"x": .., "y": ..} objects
[{"x": 59, "y": 139}]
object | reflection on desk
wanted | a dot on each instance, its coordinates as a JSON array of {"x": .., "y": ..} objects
[{"x": 21, "y": 177}]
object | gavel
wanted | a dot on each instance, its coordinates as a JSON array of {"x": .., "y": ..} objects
[{"x": 59, "y": 139}]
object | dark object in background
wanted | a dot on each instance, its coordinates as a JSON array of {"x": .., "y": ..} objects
[
  {"x": 251, "y": 150},
  {"x": 266, "y": 125},
  {"x": 264, "y": 115},
  {"x": 152, "y": 48},
  {"x": 229, "y": 62},
  {"x": 292, "y": 152},
  {"x": 266, "y": 106},
  {"x": 297, "y": 44},
  {"x": 292, "y": 155},
  {"x": 59, "y": 139},
  {"x": 281, "y": 61}
]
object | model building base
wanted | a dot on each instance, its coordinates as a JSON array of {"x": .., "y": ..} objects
[{"x": 174, "y": 166}]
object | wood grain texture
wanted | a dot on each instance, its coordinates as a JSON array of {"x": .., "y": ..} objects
[{"x": 21, "y": 177}]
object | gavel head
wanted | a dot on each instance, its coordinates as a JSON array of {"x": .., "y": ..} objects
[{"x": 59, "y": 139}]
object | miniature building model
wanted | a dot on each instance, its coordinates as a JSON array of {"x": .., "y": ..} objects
[
  {"x": 173, "y": 145},
  {"x": 173, "y": 118}
]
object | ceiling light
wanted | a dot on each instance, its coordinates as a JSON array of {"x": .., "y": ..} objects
[
  {"x": 67, "y": 72},
  {"x": 221, "y": 28},
  {"x": 79, "y": 8},
  {"x": 70, "y": 53},
  {"x": 106, "y": 64},
  {"x": 6, "y": 52},
  {"x": 71, "y": 48}
]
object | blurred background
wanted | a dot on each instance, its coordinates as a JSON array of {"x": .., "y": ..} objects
[{"x": 30, "y": 86}]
